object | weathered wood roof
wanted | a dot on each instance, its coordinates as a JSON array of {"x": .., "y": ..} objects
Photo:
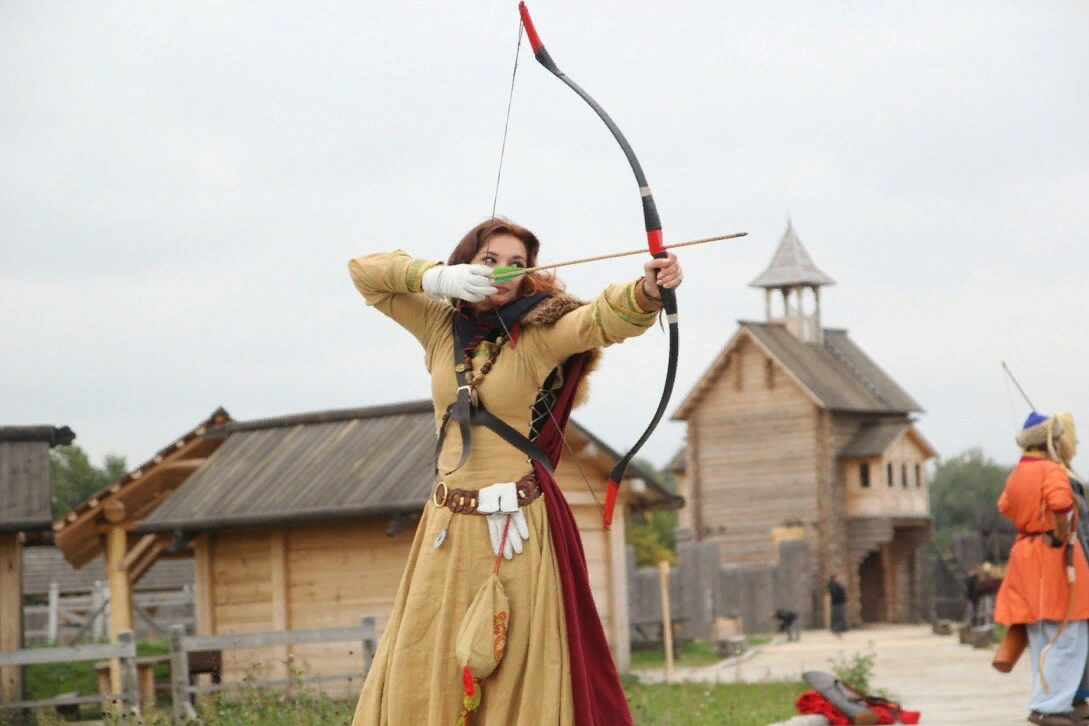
[
  {"x": 837, "y": 374},
  {"x": 376, "y": 461},
  {"x": 25, "y": 484},
  {"x": 791, "y": 265},
  {"x": 43, "y": 565},
  {"x": 875, "y": 439},
  {"x": 131, "y": 497}
]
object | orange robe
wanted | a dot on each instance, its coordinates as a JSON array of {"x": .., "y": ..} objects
[{"x": 1035, "y": 586}]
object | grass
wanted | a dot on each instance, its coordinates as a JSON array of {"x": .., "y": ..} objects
[
  {"x": 692, "y": 653},
  {"x": 46, "y": 680},
  {"x": 719, "y": 704},
  {"x": 682, "y": 704}
]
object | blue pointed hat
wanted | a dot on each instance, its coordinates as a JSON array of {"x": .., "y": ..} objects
[
  {"x": 1039, "y": 430},
  {"x": 1034, "y": 419}
]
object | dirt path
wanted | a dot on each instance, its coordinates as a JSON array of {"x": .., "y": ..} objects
[{"x": 952, "y": 684}]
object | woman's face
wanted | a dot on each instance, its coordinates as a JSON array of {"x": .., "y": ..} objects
[{"x": 502, "y": 250}]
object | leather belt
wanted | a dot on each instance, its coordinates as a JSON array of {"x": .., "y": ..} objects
[{"x": 464, "y": 501}]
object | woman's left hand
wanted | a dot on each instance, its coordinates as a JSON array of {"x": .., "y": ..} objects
[{"x": 661, "y": 272}]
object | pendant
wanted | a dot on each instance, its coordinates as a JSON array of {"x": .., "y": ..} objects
[{"x": 440, "y": 538}]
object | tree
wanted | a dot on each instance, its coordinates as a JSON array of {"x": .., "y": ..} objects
[
  {"x": 653, "y": 534},
  {"x": 75, "y": 478},
  {"x": 964, "y": 491}
]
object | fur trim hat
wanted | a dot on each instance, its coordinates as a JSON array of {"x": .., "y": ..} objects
[{"x": 1039, "y": 431}]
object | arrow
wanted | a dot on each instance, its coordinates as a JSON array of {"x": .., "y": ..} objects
[{"x": 505, "y": 274}]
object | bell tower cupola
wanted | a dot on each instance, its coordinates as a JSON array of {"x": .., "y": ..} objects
[{"x": 792, "y": 272}]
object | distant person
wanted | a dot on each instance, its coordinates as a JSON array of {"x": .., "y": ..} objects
[
  {"x": 788, "y": 623},
  {"x": 838, "y": 598},
  {"x": 1036, "y": 594}
]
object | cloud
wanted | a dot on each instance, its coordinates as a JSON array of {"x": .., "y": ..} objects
[{"x": 182, "y": 186}]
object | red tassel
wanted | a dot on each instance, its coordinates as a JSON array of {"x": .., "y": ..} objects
[{"x": 467, "y": 681}]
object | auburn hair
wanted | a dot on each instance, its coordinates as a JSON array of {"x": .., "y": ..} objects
[{"x": 477, "y": 238}]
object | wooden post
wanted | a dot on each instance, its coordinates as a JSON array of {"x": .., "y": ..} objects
[
  {"x": 54, "y": 606},
  {"x": 120, "y": 595},
  {"x": 620, "y": 641},
  {"x": 130, "y": 686},
  {"x": 370, "y": 642},
  {"x": 11, "y": 613},
  {"x": 98, "y": 600},
  {"x": 204, "y": 603},
  {"x": 179, "y": 673},
  {"x": 667, "y": 619},
  {"x": 278, "y": 584}
]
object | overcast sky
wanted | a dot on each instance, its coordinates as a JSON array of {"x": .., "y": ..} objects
[{"x": 182, "y": 184}]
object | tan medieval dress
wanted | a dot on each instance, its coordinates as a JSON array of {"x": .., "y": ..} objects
[{"x": 415, "y": 679}]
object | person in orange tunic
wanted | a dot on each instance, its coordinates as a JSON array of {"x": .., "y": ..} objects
[{"x": 1046, "y": 587}]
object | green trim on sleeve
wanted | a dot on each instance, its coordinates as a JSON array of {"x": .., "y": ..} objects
[{"x": 414, "y": 275}]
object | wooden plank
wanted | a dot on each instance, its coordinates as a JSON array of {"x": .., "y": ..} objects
[
  {"x": 140, "y": 567},
  {"x": 138, "y": 551},
  {"x": 619, "y": 640},
  {"x": 269, "y": 682},
  {"x": 278, "y": 575},
  {"x": 266, "y": 639},
  {"x": 120, "y": 594},
  {"x": 67, "y": 654},
  {"x": 11, "y": 611},
  {"x": 60, "y": 701},
  {"x": 204, "y": 585}
]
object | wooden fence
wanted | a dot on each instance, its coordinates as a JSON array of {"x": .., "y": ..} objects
[
  {"x": 124, "y": 650},
  {"x": 75, "y": 618},
  {"x": 181, "y": 644}
]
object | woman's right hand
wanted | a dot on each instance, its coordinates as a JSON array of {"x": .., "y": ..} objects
[{"x": 471, "y": 283}]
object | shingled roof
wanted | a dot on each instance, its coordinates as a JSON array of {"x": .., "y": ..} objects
[
  {"x": 376, "y": 461},
  {"x": 25, "y": 484},
  {"x": 836, "y": 374},
  {"x": 875, "y": 439},
  {"x": 131, "y": 497},
  {"x": 791, "y": 265}
]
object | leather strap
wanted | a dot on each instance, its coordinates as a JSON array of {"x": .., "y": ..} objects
[
  {"x": 464, "y": 501},
  {"x": 466, "y": 413}
]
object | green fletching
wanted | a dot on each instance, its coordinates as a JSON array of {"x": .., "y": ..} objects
[{"x": 506, "y": 274}]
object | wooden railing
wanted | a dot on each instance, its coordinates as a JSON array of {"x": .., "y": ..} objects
[
  {"x": 181, "y": 644},
  {"x": 124, "y": 650}
]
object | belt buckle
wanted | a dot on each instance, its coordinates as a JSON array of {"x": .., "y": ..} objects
[{"x": 435, "y": 495}]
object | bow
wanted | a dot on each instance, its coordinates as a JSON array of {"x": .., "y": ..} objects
[{"x": 654, "y": 244}]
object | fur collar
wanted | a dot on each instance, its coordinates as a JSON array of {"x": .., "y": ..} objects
[{"x": 550, "y": 310}]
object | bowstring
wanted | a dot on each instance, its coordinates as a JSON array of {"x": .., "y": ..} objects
[
  {"x": 552, "y": 417},
  {"x": 506, "y": 122},
  {"x": 502, "y": 323}
]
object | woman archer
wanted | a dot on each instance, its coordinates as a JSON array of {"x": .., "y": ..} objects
[{"x": 506, "y": 360}]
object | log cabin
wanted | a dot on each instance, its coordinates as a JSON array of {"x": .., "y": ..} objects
[
  {"x": 794, "y": 432},
  {"x": 306, "y": 521}
]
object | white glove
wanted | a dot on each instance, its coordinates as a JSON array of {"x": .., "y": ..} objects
[
  {"x": 499, "y": 502},
  {"x": 471, "y": 283}
]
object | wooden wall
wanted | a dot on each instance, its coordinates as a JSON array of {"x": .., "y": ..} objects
[
  {"x": 309, "y": 576},
  {"x": 880, "y": 499},
  {"x": 686, "y": 514},
  {"x": 757, "y": 456}
]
